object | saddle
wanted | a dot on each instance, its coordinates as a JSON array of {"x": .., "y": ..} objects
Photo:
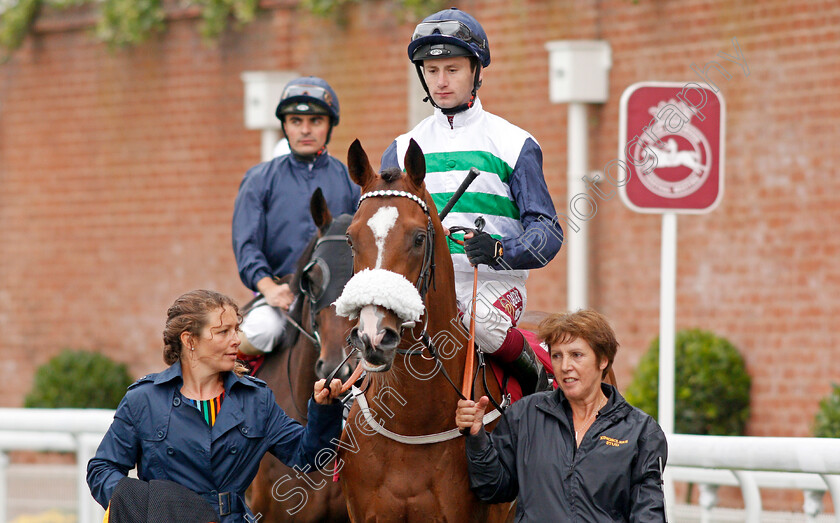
[{"x": 508, "y": 382}]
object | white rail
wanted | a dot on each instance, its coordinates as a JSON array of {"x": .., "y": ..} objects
[
  {"x": 808, "y": 464},
  {"x": 61, "y": 430}
]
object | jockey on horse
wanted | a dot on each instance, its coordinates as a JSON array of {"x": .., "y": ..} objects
[
  {"x": 450, "y": 51},
  {"x": 271, "y": 217}
]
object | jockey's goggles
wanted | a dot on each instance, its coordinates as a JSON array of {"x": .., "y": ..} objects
[
  {"x": 452, "y": 28},
  {"x": 309, "y": 91}
]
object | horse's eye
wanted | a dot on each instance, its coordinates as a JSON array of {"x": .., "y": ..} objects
[{"x": 419, "y": 239}]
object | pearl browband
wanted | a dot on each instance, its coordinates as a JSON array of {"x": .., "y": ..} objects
[{"x": 389, "y": 192}]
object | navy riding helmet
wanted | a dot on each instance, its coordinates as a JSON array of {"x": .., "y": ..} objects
[
  {"x": 455, "y": 31},
  {"x": 446, "y": 34},
  {"x": 308, "y": 95}
]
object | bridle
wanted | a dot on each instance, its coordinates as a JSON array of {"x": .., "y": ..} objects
[
  {"x": 424, "y": 280},
  {"x": 427, "y": 269},
  {"x": 330, "y": 287}
]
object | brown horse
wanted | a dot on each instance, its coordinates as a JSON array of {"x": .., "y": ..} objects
[
  {"x": 279, "y": 493},
  {"x": 404, "y": 296}
]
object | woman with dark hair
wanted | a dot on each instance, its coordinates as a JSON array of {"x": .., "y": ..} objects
[
  {"x": 203, "y": 423},
  {"x": 579, "y": 453}
]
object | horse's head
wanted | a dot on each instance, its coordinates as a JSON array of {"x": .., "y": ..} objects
[
  {"x": 321, "y": 276},
  {"x": 392, "y": 237}
]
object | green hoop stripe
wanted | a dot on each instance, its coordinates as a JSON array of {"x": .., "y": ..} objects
[
  {"x": 463, "y": 160},
  {"x": 479, "y": 203}
]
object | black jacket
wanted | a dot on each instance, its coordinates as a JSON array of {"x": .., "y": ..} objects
[{"x": 613, "y": 476}]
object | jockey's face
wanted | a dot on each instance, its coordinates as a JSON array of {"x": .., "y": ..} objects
[
  {"x": 450, "y": 80},
  {"x": 577, "y": 369},
  {"x": 307, "y": 133}
]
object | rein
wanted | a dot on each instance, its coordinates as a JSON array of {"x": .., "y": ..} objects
[{"x": 316, "y": 340}]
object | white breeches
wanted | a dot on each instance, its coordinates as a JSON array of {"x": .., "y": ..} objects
[{"x": 499, "y": 304}]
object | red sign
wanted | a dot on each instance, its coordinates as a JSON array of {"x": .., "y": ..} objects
[{"x": 671, "y": 140}]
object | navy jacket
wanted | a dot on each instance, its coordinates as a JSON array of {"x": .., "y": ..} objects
[
  {"x": 272, "y": 223},
  {"x": 614, "y": 476},
  {"x": 166, "y": 438}
]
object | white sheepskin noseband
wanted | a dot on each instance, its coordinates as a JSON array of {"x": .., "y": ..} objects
[{"x": 380, "y": 287}]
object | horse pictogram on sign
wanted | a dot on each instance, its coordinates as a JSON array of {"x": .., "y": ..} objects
[{"x": 672, "y": 143}]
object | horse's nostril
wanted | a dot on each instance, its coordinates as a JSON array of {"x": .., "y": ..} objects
[
  {"x": 390, "y": 339},
  {"x": 319, "y": 369},
  {"x": 355, "y": 340}
]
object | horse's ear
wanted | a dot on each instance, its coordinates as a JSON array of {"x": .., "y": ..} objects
[
  {"x": 319, "y": 210},
  {"x": 415, "y": 163},
  {"x": 358, "y": 164}
]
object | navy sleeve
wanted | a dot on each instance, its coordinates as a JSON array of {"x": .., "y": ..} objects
[
  {"x": 647, "y": 499},
  {"x": 249, "y": 226},
  {"x": 298, "y": 446},
  {"x": 115, "y": 457},
  {"x": 389, "y": 157},
  {"x": 543, "y": 236},
  {"x": 491, "y": 462}
]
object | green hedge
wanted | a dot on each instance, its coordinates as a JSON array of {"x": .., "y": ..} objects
[
  {"x": 711, "y": 390},
  {"x": 79, "y": 379},
  {"x": 827, "y": 420}
]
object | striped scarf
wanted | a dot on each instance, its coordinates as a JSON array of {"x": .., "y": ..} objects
[{"x": 209, "y": 409}]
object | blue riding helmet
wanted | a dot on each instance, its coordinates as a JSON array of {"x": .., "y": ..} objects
[
  {"x": 447, "y": 34},
  {"x": 308, "y": 95},
  {"x": 450, "y": 32}
]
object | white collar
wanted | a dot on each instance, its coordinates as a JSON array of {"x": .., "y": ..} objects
[{"x": 461, "y": 119}]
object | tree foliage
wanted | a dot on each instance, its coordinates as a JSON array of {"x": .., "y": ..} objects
[
  {"x": 79, "y": 379},
  {"x": 827, "y": 420},
  {"x": 122, "y": 23},
  {"x": 711, "y": 389}
]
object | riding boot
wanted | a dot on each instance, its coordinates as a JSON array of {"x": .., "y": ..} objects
[{"x": 528, "y": 371}]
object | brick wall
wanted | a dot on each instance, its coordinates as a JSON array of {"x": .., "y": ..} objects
[{"x": 118, "y": 172}]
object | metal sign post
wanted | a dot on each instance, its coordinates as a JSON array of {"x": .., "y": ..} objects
[
  {"x": 671, "y": 143},
  {"x": 671, "y": 147}
]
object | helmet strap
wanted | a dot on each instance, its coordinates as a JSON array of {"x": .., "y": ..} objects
[
  {"x": 309, "y": 158},
  {"x": 418, "y": 65}
]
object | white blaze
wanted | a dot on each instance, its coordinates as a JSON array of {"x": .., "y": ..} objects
[{"x": 381, "y": 224}]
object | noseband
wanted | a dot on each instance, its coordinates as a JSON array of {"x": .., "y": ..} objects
[{"x": 427, "y": 269}]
